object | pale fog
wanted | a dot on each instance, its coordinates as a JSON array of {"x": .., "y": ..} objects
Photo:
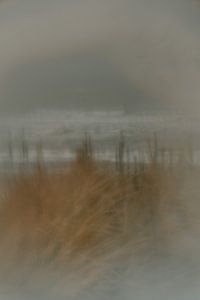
[{"x": 104, "y": 68}]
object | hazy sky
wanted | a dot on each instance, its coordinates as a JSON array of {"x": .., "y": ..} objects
[{"x": 91, "y": 53}]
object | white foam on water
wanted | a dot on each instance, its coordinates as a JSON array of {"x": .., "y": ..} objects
[{"x": 60, "y": 133}]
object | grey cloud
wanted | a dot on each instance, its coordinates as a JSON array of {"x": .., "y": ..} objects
[
  {"x": 86, "y": 80},
  {"x": 151, "y": 46}
]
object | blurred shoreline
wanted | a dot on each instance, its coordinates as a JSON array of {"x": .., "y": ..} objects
[{"x": 56, "y": 135}]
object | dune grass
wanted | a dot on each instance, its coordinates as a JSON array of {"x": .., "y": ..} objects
[{"x": 82, "y": 223}]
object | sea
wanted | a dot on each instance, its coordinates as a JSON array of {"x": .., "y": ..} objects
[{"x": 55, "y": 135}]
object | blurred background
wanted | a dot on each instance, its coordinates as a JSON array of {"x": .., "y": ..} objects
[{"x": 102, "y": 67}]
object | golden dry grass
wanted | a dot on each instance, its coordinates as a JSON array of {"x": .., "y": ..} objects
[{"x": 66, "y": 232}]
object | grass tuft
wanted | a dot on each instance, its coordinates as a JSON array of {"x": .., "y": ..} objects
[{"x": 79, "y": 224}]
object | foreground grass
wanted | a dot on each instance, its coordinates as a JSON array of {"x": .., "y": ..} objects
[{"x": 65, "y": 233}]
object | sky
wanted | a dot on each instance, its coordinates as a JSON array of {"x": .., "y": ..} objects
[{"x": 132, "y": 54}]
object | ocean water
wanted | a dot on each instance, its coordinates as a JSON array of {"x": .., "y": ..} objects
[{"x": 55, "y": 135}]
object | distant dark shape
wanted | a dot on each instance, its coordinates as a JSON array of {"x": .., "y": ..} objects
[{"x": 84, "y": 81}]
